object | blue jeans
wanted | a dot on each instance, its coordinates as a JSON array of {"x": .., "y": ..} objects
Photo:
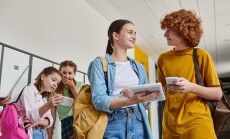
[
  {"x": 125, "y": 123},
  {"x": 39, "y": 133}
]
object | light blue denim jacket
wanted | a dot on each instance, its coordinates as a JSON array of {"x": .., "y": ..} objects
[{"x": 101, "y": 99}]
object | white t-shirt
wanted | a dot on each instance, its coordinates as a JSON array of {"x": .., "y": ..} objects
[{"x": 125, "y": 76}]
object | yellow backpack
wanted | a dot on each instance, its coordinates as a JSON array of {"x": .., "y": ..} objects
[{"x": 89, "y": 122}]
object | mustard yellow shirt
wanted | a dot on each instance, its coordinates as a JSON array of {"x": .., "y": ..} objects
[{"x": 186, "y": 116}]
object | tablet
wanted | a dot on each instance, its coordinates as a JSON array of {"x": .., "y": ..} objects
[
  {"x": 4, "y": 94},
  {"x": 149, "y": 88}
]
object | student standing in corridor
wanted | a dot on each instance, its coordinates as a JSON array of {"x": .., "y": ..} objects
[
  {"x": 126, "y": 111},
  {"x": 186, "y": 115},
  {"x": 68, "y": 87}
]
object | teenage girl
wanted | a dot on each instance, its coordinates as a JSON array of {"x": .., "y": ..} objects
[
  {"x": 126, "y": 111},
  {"x": 34, "y": 109},
  {"x": 68, "y": 87}
]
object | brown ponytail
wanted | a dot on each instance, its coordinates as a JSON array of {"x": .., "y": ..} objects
[
  {"x": 115, "y": 26},
  {"x": 109, "y": 49}
]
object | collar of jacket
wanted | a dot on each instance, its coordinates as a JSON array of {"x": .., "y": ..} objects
[{"x": 110, "y": 60}]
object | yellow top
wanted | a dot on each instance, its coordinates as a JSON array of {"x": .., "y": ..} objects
[{"x": 186, "y": 116}]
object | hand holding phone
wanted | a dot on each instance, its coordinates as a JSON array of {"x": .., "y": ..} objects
[{"x": 170, "y": 80}]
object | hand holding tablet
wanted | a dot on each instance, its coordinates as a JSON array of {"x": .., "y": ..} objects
[{"x": 149, "y": 88}]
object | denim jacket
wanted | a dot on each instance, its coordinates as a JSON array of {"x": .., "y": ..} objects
[{"x": 102, "y": 96}]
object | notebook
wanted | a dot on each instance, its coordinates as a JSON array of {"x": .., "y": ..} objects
[
  {"x": 149, "y": 88},
  {"x": 5, "y": 94}
]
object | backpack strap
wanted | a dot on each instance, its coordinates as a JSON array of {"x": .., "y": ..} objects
[
  {"x": 17, "y": 98},
  {"x": 104, "y": 64},
  {"x": 20, "y": 94},
  {"x": 197, "y": 68},
  {"x": 199, "y": 78},
  {"x": 105, "y": 69}
]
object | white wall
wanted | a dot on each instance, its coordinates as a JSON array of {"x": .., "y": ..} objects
[{"x": 57, "y": 30}]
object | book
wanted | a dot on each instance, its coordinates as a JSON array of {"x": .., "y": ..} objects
[
  {"x": 149, "y": 88},
  {"x": 4, "y": 94}
]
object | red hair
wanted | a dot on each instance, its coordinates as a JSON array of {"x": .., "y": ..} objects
[{"x": 186, "y": 23}]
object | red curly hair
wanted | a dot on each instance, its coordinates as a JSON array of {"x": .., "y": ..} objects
[{"x": 186, "y": 23}]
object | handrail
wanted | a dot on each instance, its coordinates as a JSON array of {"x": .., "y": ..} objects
[
  {"x": 31, "y": 55},
  {"x": 11, "y": 47}
]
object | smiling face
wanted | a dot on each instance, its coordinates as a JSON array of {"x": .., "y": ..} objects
[
  {"x": 126, "y": 37},
  {"x": 50, "y": 82},
  {"x": 173, "y": 38},
  {"x": 186, "y": 23}
]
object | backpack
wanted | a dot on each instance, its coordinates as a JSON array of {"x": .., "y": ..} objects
[
  {"x": 89, "y": 122},
  {"x": 9, "y": 123},
  {"x": 220, "y": 110}
]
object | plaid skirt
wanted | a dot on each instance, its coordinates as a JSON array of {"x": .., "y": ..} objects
[{"x": 67, "y": 128}]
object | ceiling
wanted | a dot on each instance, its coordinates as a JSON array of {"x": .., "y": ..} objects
[{"x": 146, "y": 15}]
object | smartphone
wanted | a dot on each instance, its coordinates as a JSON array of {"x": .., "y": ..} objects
[
  {"x": 170, "y": 80},
  {"x": 67, "y": 101}
]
